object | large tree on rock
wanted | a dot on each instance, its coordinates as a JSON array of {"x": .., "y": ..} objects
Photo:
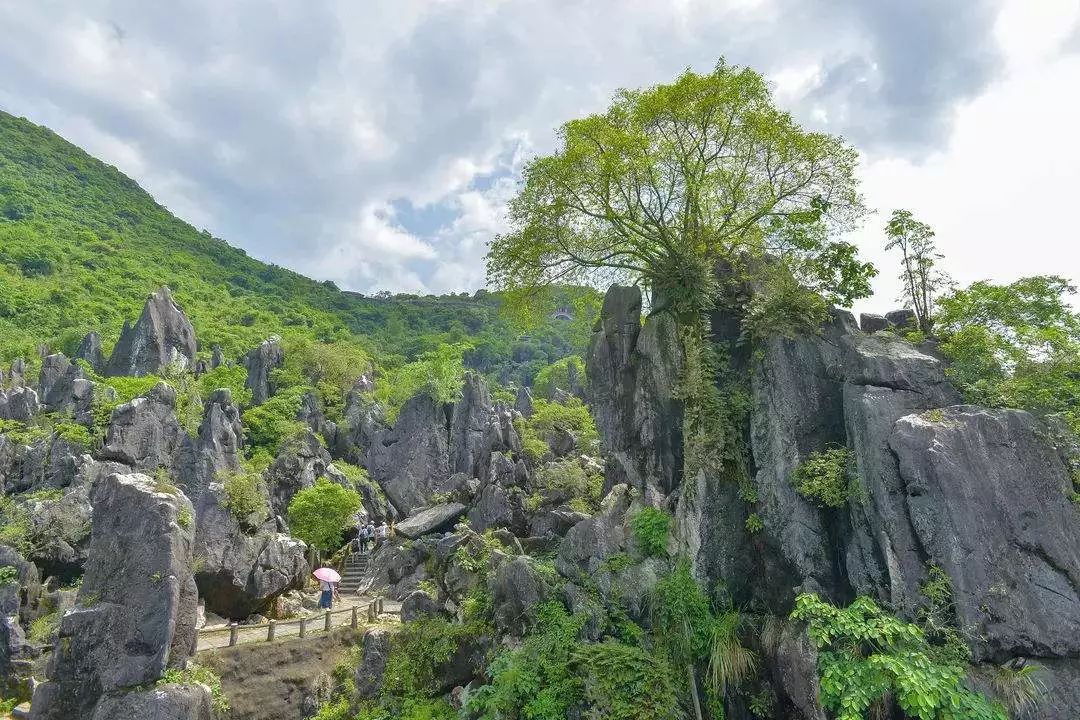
[
  {"x": 695, "y": 190},
  {"x": 676, "y": 180}
]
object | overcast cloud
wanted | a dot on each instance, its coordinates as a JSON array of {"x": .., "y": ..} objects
[{"x": 375, "y": 143}]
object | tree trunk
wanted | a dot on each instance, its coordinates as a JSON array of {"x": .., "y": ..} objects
[{"x": 693, "y": 690}]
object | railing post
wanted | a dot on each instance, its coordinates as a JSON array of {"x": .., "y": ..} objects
[
  {"x": 379, "y": 606},
  {"x": 327, "y": 619},
  {"x": 234, "y": 633},
  {"x": 355, "y": 623},
  {"x": 270, "y": 631},
  {"x": 303, "y": 626},
  {"x": 371, "y": 616}
]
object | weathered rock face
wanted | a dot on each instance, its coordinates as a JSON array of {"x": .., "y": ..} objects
[
  {"x": 62, "y": 387},
  {"x": 145, "y": 434},
  {"x": 985, "y": 501},
  {"x": 516, "y": 589},
  {"x": 363, "y": 421},
  {"x": 90, "y": 351},
  {"x": 217, "y": 448},
  {"x": 886, "y": 378},
  {"x": 239, "y": 571},
  {"x": 161, "y": 337},
  {"x": 137, "y": 604},
  {"x": 60, "y": 532},
  {"x": 260, "y": 362},
  {"x": 19, "y": 403},
  {"x": 418, "y": 604},
  {"x": 412, "y": 458},
  {"x": 372, "y": 667},
  {"x": 477, "y": 428},
  {"x": 797, "y": 392},
  {"x": 631, "y": 371}
]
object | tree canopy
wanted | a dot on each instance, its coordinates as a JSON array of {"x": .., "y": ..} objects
[
  {"x": 675, "y": 179},
  {"x": 920, "y": 271}
]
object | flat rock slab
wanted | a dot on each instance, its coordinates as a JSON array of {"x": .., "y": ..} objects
[{"x": 433, "y": 519}]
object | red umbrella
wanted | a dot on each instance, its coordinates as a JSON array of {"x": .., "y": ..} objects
[{"x": 327, "y": 575}]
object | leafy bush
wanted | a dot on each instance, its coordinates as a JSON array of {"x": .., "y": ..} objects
[
  {"x": 269, "y": 425},
  {"x": 754, "y": 524},
  {"x": 573, "y": 416},
  {"x": 823, "y": 477},
  {"x": 439, "y": 372},
  {"x": 8, "y": 575},
  {"x": 866, "y": 656},
  {"x": 233, "y": 378},
  {"x": 245, "y": 495},
  {"x": 418, "y": 649},
  {"x": 74, "y": 433},
  {"x": 565, "y": 374},
  {"x": 202, "y": 675},
  {"x": 567, "y": 474},
  {"x": 14, "y": 525},
  {"x": 625, "y": 682},
  {"x": 651, "y": 527},
  {"x": 44, "y": 627},
  {"x": 318, "y": 514}
]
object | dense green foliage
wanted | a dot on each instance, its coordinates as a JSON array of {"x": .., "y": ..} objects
[
  {"x": 583, "y": 485},
  {"x": 866, "y": 656},
  {"x": 565, "y": 374},
  {"x": 652, "y": 530},
  {"x": 539, "y": 432},
  {"x": 1015, "y": 345},
  {"x": 245, "y": 495},
  {"x": 81, "y": 246},
  {"x": 823, "y": 477},
  {"x": 439, "y": 373},
  {"x": 920, "y": 273},
  {"x": 318, "y": 514}
]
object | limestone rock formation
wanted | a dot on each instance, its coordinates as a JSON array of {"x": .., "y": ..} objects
[
  {"x": 63, "y": 388},
  {"x": 90, "y": 351},
  {"x": 429, "y": 520},
  {"x": 631, "y": 371},
  {"x": 161, "y": 337},
  {"x": 137, "y": 604},
  {"x": 260, "y": 361},
  {"x": 516, "y": 589},
  {"x": 372, "y": 667},
  {"x": 145, "y": 434},
  {"x": 410, "y": 459},
  {"x": 168, "y": 702}
]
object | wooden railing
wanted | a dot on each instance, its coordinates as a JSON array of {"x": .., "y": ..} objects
[{"x": 312, "y": 623}]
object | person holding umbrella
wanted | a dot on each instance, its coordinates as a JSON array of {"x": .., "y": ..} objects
[{"x": 328, "y": 579}]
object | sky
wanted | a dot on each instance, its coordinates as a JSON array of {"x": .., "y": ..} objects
[{"x": 376, "y": 143}]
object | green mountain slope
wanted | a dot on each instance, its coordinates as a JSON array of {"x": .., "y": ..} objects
[{"x": 81, "y": 246}]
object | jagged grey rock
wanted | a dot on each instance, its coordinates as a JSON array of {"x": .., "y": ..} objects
[
  {"x": 797, "y": 393},
  {"x": 161, "y": 337},
  {"x": 57, "y": 386},
  {"x": 168, "y": 702},
  {"x": 516, "y": 589},
  {"x": 901, "y": 319},
  {"x": 631, "y": 372},
  {"x": 972, "y": 481},
  {"x": 429, "y": 520},
  {"x": 137, "y": 604},
  {"x": 373, "y": 656},
  {"x": 145, "y": 434},
  {"x": 411, "y": 459},
  {"x": 217, "y": 358},
  {"x": 20, "y": 403},
  {"x": 418, "y": 604},
  {"x": 240, "y": 570},
  {"x": 60, "y": 532},
  {"x": 298, "y": 465},
  {"x": 218, "y": 447},
  {"x": 260, "y": 361},
  {"x": 90, "y": 351},
  {"x": 363, "y": 420},
  {"x": 523, "y": 402}
]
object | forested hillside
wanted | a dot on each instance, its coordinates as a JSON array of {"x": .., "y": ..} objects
[{"x": 82, "y": 245}]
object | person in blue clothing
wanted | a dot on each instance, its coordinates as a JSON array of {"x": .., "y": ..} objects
[{"x": 328, "y": 595}]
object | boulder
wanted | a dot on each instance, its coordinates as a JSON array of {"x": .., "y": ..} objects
[
  {"x": 59, "y": 387},
  {"x": 168, "y": 702},
  {"x": 260, "y": 361},
  {"x": 589, "y": 543},
  {"x": 493, "y": 509},
  {"x": 418, "y": 604},
  {"x": 411, "y": 459},
  {"x": 516, "y": 589},
  {"x": 161, "y": 337},
  {"x": 298, "y": 465},
  {"x": 14, "y": 596},
  {"x": 20, "y": 403},
  {"x": 136, "y": 609},
  {"x": 631, "y": 372},
  {"x": 432, "y": 519},
  {"x": 60, "y": 532},
  {"x": 372, "y": 667},
  {"x": 984, "y": 497},
  {"x": 871, "y": 323},
  {"x": 901, "y": 319},
  {"x": 90, "y": 351},
  {"x": 239, "y": 571},
  {"x": 218, "y": 446}
]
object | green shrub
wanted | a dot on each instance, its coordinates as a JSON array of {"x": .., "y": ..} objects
[
  {"x": 245, "y": 495},
  {"x": 651, "y": 527},
  {"x": 8, "y": 575},
  {"x": 866, "y": 656},
  {"x": 573, "y": 416},
  {"x": 418, "y": 649},
  {"x": 14, "y": 525},
  {"x": 625, "y": 682},
  {"x": 319, "y": 514},
  {"x": 754, "y": 524},
  {"x": 269, "y": 425},
  {"x": 233, "y": 378},
  {"x": 74, "y": 433},
  {"x": 202, "y": 675},
  {"x": 822, "y": 477},
  {"x": 44, "y": 627},
  {"x": 439, "y": 372},
  {"x": 564, "y": 374},
  {"x": 585, "y": 489}
]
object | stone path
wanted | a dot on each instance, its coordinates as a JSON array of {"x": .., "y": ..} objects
[{"x": 218, "y": 636}]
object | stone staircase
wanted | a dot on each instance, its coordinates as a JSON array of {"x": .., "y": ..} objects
[{"x": 353, "y": 575}]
